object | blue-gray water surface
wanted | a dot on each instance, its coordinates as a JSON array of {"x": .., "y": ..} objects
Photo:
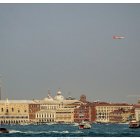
[{"x": 70, "y": 130}]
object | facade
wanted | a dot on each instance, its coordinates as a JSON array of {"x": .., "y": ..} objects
[
  {"x": 56, "y": 109},
  {"x": 119, "y": 116},
  {"x": 103, "y": 110},
  {"x": 45, "y": 116},
  {"x": 33, "y": 108},
  {"x": 82, "y": 113},
  {"x": 14, "y": 111},
  {"x": 64, "y": 115},
  {"x": 49, "y": 109},
  {"x": 137, "y": 112}
]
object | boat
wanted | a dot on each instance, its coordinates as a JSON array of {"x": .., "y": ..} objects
[
  {"x": 84, "y": 125},
  {"x": 134, "y": 124},
  {"x": 3, "y": 130}
]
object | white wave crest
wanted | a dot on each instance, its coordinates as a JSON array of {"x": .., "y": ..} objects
[
  {"x": 14, "y": 131},
  {"x": 34, "y": 132}
]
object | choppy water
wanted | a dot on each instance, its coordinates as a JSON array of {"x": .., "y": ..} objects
[{"x": 70, "y": 130}]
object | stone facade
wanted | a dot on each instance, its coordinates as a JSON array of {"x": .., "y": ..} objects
[
  {"x": 103, "y": 110},
  {"x": 119, "y": 116},
  {"x": 65, "y": 115},
  {"x": 33, "y": 108},
  {"x": 82, "y": 112},
  {"x": 137, "y": 112},
  {"x": 14, "y": 111}
]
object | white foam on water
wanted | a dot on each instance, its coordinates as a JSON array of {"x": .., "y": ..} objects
[
  {"x": 14, "y": 131},
  {"x": 34, "y": 132},
  {"x": 77, "y": 132}
]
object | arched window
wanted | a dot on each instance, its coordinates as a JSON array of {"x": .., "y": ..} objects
[
  {"x": 12, "y": 109},
  {"x": 7, "y": 111},
  {"x": 2, "y": 109}
]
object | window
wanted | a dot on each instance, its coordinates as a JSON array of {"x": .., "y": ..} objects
[
  {"x": 12, "y": 109},
  {"x": 7, "y": 111},
  {"x": 1, "y": 109}
]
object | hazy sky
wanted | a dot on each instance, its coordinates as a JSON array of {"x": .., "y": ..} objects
[{"x": 70, "y": 46}]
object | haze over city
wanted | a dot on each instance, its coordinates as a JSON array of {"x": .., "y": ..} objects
[{"x": 70, "y": 46}]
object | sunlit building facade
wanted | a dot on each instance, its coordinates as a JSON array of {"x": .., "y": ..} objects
[
  {"x": 137, "y": 112},
  {"x": 119, "y": 116},
  {"x": 103, "y": 110},
  {"x": 56, "y": 109},
  {"x": 33, "y": 108},
  {"x": 14, "y": 111}
]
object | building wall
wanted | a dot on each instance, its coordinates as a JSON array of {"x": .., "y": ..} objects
[
  {"x": 103, "y": 111},
  {"x": 82, "y": 112},
  {"x": 33, "y": 108},
  {"x": 45, "y": 116},
  {"x": 93, "y": 113},
  {"x": 119, "y": 116},
  {"x": 14, "y": 112},
  {"x": 65, "y": 115},
  {"x": 47, "y": 112},
  {"x": 137, "y": 113}
]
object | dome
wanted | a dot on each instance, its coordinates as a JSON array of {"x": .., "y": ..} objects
[
  {"x": 59, "y": 97},
  {"x": 48, "y": 99}
]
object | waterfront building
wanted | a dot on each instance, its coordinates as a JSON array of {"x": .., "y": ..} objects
[
  {"x": 137, "y": 112},
  {"x": 65, "y": 115},
  {"x": 56, "y": 109},
  {"x": 48, "y": 106},
  {"x": 33, "y": 108},
  {"x": 47, "y": 110},
  {"x": 84, "y": 111},
  {"x": 45, "y": 116},
  {"x": 104, "y": 109},
  {"x": 119, "y": 116},
  {"x": 14, "y": 111}
]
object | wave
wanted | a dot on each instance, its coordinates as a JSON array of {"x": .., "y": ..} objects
[
  {"x": 42, "y": 132},
  {"x": 14, "y": 131}
]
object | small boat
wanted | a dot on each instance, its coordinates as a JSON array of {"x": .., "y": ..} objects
[
  {"x": 84, "y": 125},
  {"x": 134, "y": 124},
  {"x": 3, "y": 130}
]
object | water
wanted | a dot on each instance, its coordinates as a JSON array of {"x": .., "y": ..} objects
[{"x": 70, "y": 130}]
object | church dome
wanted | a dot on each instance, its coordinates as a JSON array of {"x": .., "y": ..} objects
[
  {"x": 48, "y": 98},
  {"x": 59, "y": 96}
]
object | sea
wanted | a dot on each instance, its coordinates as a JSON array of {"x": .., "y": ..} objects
[{"x": 70, "y": 130}]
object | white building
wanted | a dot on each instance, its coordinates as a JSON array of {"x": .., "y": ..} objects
[{"x": 49, "y": 106}]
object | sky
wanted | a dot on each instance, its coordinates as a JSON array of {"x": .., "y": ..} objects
[{"x": 69, "y": 46}]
